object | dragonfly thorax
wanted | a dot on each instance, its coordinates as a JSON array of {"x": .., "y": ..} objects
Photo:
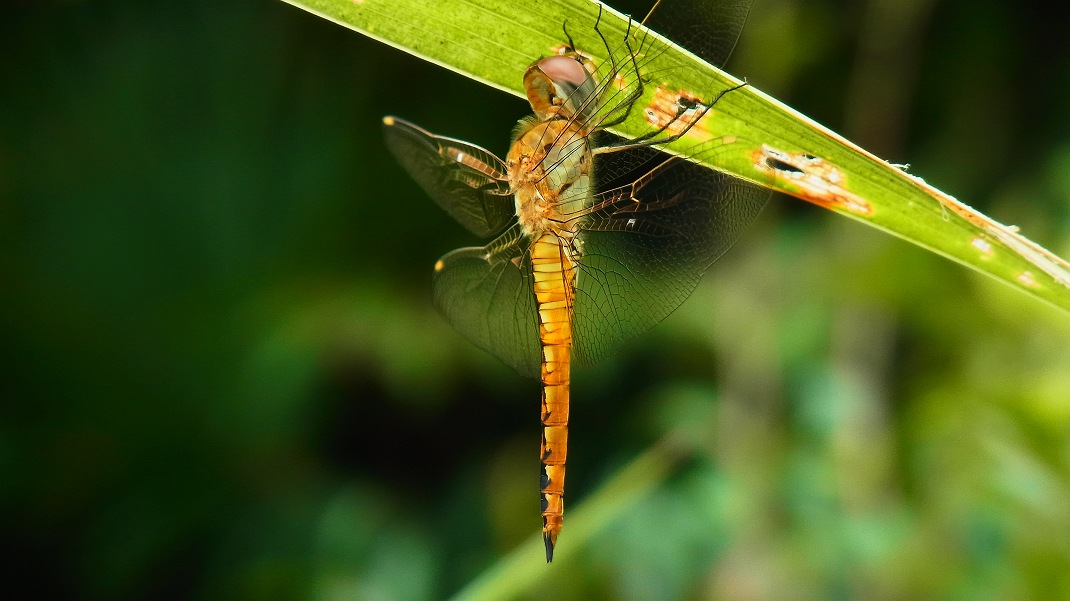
[{"x": 549, "y": 168}]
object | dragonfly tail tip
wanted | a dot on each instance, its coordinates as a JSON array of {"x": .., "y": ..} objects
[{"x": 549, "y": 548}]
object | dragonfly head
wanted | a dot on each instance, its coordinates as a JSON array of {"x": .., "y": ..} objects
[{"x": 562, "y": 86}]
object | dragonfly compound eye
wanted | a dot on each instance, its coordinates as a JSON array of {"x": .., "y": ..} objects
[
  {"x": 561, "y": 86},
  {"x": 564, "y": 69}
]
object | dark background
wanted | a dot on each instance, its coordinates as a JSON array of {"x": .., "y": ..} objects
[{"x": 223, "y": 377}]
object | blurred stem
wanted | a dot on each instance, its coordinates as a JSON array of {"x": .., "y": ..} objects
[{"x": 515, "y": 574}]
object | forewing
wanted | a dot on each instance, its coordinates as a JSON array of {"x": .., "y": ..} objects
[
  {"x": 643, "y": 247},
  {"x": 708, "y": 28},
  {"x": 467, "y": 181},
  {"x": 487, "y": 295}
]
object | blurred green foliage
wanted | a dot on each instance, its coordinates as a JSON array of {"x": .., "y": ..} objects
[{"x": 223, "y": 378}]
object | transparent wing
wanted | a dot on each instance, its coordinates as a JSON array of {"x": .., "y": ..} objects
[
  {"x": 642, "y": 248},
  {"x": 657, "y": 223},
  {"x": 488, "y": 296},
  {"x": 708, "y": 28},
  {"x": 467, "y": 181}
]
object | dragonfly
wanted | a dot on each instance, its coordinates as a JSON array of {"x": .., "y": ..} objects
[{"x": 596, "y": 238}]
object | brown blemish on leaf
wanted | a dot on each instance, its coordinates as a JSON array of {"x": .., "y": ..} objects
[
  {"x": 676, "y": 111},
  {"x": 812, "y": 179}
]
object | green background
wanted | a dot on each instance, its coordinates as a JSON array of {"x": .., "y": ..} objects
[{"x": 223, "y": 377}]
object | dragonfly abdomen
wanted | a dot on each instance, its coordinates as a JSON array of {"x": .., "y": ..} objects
[{"x": 554, "y": 281}]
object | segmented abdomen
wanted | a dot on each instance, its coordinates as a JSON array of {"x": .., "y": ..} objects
[{"x": 554, "y": 290}]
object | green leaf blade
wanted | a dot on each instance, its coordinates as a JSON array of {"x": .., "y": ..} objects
[{"x": 758, "y": 138}]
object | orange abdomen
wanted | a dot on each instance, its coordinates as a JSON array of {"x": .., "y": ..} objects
[{"x": 554, "y": 291}]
